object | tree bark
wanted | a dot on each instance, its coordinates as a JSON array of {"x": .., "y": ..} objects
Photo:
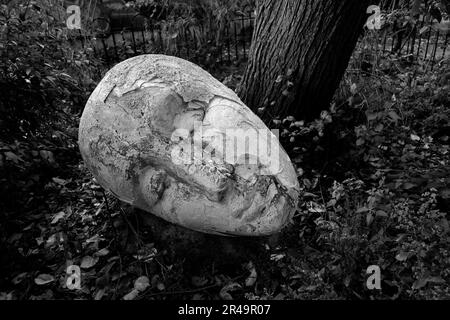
[{"x": 300, "y": 50}]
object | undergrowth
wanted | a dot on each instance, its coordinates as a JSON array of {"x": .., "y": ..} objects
[{"x": 374, "y": 171}]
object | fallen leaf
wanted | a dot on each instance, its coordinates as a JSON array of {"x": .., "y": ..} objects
[
  {"x": 142, "y": 283},
  {"x": 160, "y": 286},
  {"x": 369, "y": 219},
  {"x": 381, "y": 213},
  {"x": 436, "y": 280},
  {"x": 15, "y": 237},
  {"x": 59, "y": 181},
  {"x": 58, "y": 217},
  {"x": 360, "y": 142},
  {"x": 102, "y": 252},
  {"x": 279, "y": 297},
  {"x": 146, "y": 254},
  {"x": 48, "y": 156},
  {"x": 316, "y": 207},
  {"x": 419, "y": 283},
  {"x": 88, "y": 262},
  {"x": 43, "y": 279},
  {"x": 6, "y": 296},
  {"x": 409, "y": 186},
  {"x": 371, "y": 116},
  {"x": 225, "y": 292},
  {"x": 19, "y": 278},
  {"x": 95, "y": 238},
  {"x": 402, "y": 256},
  {"x": 363, "y": 210},
  {"x": 99, "y": 295},
  {"x": 394, "y": 116},
  {"x": 276, "y": 257},
  {"x": 251, "y": 280},
  {"x": 199, "y": 281},
  {"x": 12, "y": 157},
  {"x": 131, "y": 295}
]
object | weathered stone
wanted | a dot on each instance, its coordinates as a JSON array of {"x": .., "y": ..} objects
[{"x": 159, "y": 133}]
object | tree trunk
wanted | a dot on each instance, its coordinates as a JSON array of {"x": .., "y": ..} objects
[{"x": 300, "y": 50}]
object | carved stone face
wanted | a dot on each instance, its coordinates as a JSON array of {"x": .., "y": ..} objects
[{"x": 163, "y": 135}]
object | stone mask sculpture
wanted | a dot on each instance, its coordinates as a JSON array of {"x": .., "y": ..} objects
[{"x": 163, "y": 135}]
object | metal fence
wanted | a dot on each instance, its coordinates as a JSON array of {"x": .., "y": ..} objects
[
  {"x": 230, "y": 40},
  {"x": 227, "y": 41},
  {"x": 420, "y": 36}
]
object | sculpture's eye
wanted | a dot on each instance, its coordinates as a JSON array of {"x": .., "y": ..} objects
[
  {"x": 165, "y": 136},
  {"x": 164, "y": 106}
]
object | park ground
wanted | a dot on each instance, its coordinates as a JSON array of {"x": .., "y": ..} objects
[{"x": 375, "y": 178}]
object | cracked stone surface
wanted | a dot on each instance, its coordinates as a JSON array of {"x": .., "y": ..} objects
[{"x": 165, "y": 136}]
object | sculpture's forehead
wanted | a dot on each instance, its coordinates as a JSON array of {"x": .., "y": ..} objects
[
  {"x": 188, "y": 80},
  {"x": 154, "y": 108}
]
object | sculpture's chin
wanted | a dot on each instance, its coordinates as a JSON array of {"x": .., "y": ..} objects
[{"x": 157, "y": 132}]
